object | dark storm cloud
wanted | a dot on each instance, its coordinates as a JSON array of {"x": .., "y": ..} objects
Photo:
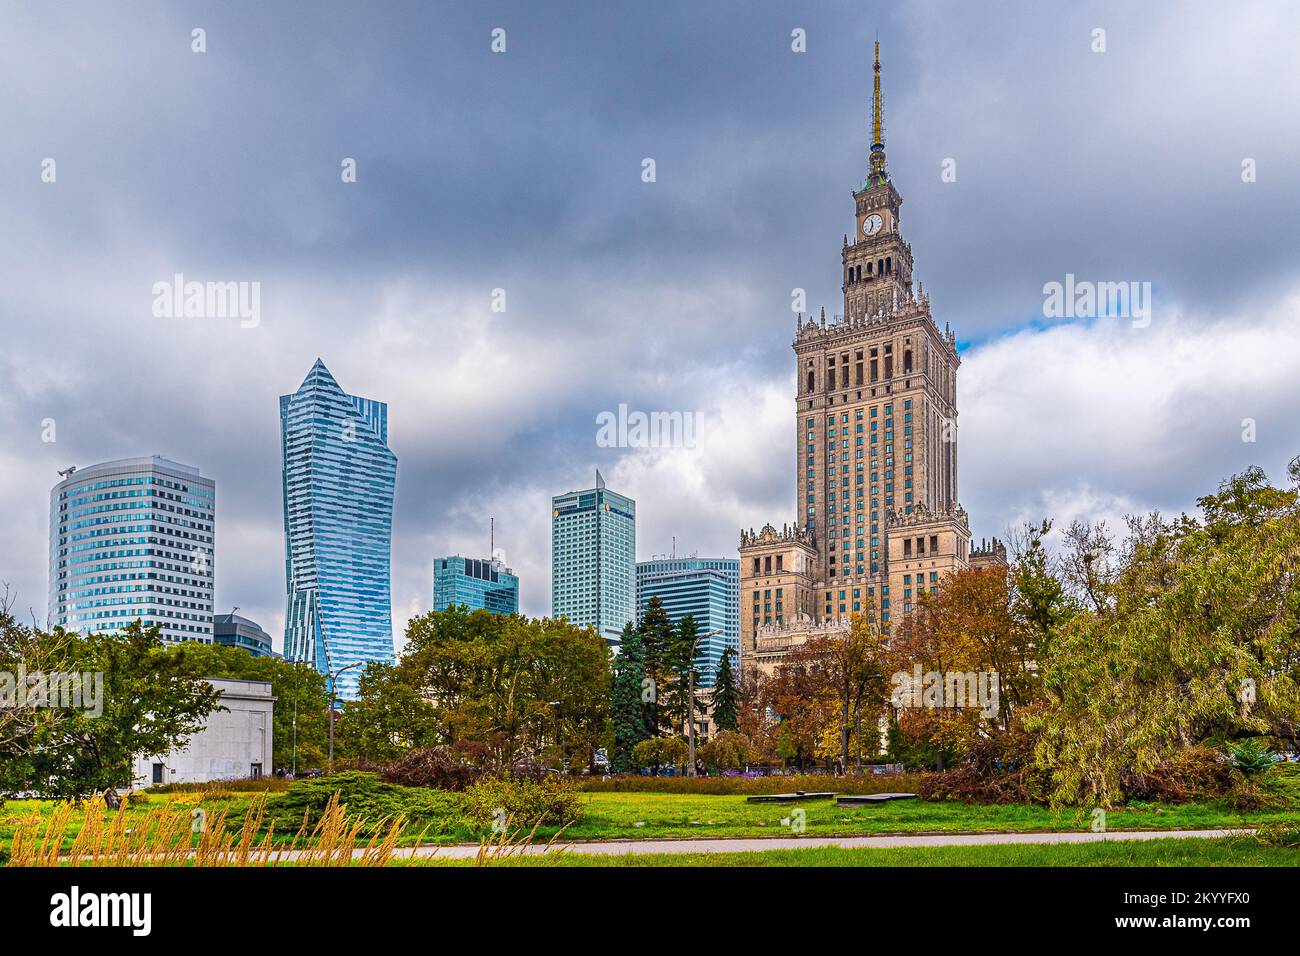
[{"x": 521, "y": 171}]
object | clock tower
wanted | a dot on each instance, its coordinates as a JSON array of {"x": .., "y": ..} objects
[
  {"x": 877, "y": 262},
  {"x": 878, "y": 523}
]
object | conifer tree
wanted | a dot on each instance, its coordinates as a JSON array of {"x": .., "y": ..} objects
[
  {"x": 726, "y": 696},
  {"x": 628, "y": 708}
]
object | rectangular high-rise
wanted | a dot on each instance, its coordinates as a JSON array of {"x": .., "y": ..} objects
[
  {"x": 475, "y": 584},
  {"x": 338, "y": 481},
  {"x": 593, "y": 559},
  {"x": 708, "y": 589},
  {"x": 133, "y": 540}
]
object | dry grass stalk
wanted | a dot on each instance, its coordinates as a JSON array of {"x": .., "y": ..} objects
[
  {"x": 163, "y": 836},
  {"x": 510, "y": 844}
]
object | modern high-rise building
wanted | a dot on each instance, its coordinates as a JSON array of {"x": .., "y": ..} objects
[
  {"x": 338, "y": 482},
  {"x": 878, "y": 522},
  {"x": 593, "y": 559},
  {"x": 474, "y": 583},
  {"x": 707, "y": 589},
  {"x": 231, "y": 630},
  {"x": 133, "y": 539}
]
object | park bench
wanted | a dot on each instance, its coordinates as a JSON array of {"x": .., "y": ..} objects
[
  {"x": 797, "y": 797},
  {"x": 866, "y": 798}
]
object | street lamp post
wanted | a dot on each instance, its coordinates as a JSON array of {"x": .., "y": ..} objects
[{"x": 334, "y": 675}]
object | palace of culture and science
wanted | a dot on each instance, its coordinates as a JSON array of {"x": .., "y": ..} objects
[{"x": 877, "y": 522}]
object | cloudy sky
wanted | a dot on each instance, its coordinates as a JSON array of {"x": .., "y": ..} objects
[{"x": 522, "y": 171}]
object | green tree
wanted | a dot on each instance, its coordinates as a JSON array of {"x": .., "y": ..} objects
[
  {"x": 531, "y": 693},
  {"x": 657, "y": 641},
  {"x": 630, "y": 717},
  {"x": 1198, "y": 641},
  {"x": 726, "y": 695},
  {"x": 152, "y": 702},
  {"x": 679, "y": 668},
  {"x": 388, "y": 719}
]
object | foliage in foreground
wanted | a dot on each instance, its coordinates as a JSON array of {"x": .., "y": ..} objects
[
  {"x": 493, "y": 802},
  {"x": 166, "y": 837},
  {"x": 371, "y": 801}
]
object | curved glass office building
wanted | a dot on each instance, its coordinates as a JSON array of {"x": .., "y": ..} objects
[
  {"x": 338, "y": 480},
  {"x": 133, "y": 540}
]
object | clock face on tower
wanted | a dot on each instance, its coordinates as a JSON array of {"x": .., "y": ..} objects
[{"x": 871, "y": 225}]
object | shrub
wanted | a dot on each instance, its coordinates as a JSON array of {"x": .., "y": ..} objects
[
  {"x": 525, "y": 803},
  {"x": 1282, "y": 782},
  {"x": 727, "y": 750},
  {"x": 1193, "y": 773},
  {"x": 441, "y": 768},
  {"x": 1251, "y": 757},
  {"x": 998, "y": 769},
  {"x": 1247, "y": 796},
  {"x": 370, "y": 799},
  {"x": 660, "y": 752}
]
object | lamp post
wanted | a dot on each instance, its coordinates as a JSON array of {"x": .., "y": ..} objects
[
  {"x": 334, "y": 675},
  {"x": 690, "y": 706},
  {"x": 559, "y": 748}
]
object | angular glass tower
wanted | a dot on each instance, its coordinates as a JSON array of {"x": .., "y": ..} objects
[
  {"x": 338, "y": 479},
  {"x": 486, "y": 585},
  {"x": 593, "y": 559}
]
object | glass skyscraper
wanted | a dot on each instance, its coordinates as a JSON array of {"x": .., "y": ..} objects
[
  {"x": 708, "y": 589},
  {"x": 489, "y": 585},
  {"x": 593, "y": 559},
  {"x": 338, "y": 480},
  {"x": 133, "y": 539}
]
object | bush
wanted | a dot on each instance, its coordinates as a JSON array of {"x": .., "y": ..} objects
[
  {"x": 441, "y": 768},
  {"x": 996, "y": 770},
  {"x": 1281, "y": 782},
  {"x": 727, "y": 750},
  {"x": 1251, "y": 757},
  {"x": 1193, "y": 773},
  {"x": 660, "y": 752},
  {"x": 525, "y": 803},
  {"x": 369, "y": 799}
]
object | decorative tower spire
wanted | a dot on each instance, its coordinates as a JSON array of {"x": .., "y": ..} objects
[{"x": 877, "y": 126}]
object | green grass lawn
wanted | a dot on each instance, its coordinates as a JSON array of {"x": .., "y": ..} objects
[
  {"x": 611, "y": 816},
  {"x": 1239, "y": 851},
  {"x": 662, "y": 815}
]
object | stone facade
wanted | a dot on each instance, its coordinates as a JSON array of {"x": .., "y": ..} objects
[
  {"x": 234, "y": 744},
  {"x": 878, "y": 521}
]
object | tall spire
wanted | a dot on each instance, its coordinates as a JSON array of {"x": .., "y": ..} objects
[{"x": 877, "y": 125}]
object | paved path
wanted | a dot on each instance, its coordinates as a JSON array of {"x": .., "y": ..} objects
[{"x": 742, "y": 845}]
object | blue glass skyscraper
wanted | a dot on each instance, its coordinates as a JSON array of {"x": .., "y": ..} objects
[
  {"x": 706, "y": 588},
  {"x": 338, "y": 480},
  {"x": 489, "y": 585}
]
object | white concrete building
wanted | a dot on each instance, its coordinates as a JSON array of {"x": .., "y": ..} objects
[{"x": 235, "y": 744}]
